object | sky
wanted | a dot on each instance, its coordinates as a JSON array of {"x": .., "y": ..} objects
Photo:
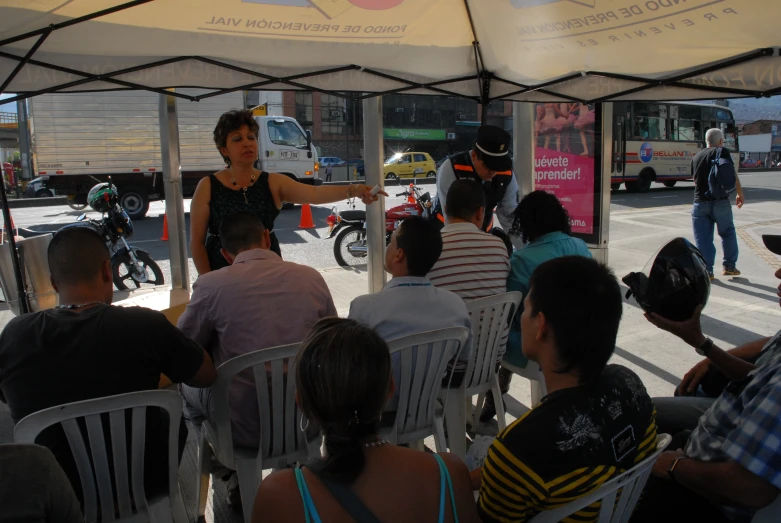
[{"x": 7, "y": 108}]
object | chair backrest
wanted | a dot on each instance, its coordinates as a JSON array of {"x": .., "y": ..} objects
[
  {"x": 489, "y": 323},
  {"x": 274, "y": 372},
  {"x": 628, "y": 485},
  {"x": 423, "y": 361},
  {"x": 769, "y": 514},
  {"x": 99, "y": 491}
]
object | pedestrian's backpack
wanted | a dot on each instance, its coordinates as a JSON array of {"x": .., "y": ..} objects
[{"x": 722, "y": 179}]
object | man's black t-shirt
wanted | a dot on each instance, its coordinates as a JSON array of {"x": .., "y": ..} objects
[
  {"x": 701, "y": 165},
  {"x": 569, "y": 445},
  {"x": 59, "y": 356}
]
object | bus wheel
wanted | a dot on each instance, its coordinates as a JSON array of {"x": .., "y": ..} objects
[
  {"x": 670, "y": 183},
  {"x": 615, "y": 186},
  {"x": 642, "y": 184}
]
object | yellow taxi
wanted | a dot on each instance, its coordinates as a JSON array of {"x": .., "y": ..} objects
[{"x": 410, "y": 165}]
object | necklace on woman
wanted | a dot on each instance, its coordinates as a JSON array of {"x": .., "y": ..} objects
[
  {"x": 244, "y": 189},
  {"x": 79, "y": 305}
]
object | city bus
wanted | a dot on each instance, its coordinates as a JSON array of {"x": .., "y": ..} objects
[{"x": 655, "y": 142}]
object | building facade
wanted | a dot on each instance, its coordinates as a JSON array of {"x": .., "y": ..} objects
[{"x": 438, "y": 125}]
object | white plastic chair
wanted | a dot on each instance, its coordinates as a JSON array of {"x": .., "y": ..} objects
[
  {"x": 282, "y": 442},
  {"x": 423, "y": 358},
  {"x": 129, "y": 501},
  {"x": 630, "y": 484},
  {"x": 769, "y": 514},
  {"x": 533, "y": 373},
  {"x": 489, "y": 323}
]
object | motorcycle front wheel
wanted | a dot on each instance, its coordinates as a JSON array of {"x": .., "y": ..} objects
[
  {"x": 125, "y": 276},
  {"x": 352, "y": 236}
]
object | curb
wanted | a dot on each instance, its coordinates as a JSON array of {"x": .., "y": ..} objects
[{"x": 37, "y": 202}]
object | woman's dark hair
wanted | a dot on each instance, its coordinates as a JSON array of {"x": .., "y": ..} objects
[
  {"x": 343, "y": 379},
  {"x": 233, "y": 121},
  {"x": 538, "y": 214},
  {"x": 581, "y": 301}
]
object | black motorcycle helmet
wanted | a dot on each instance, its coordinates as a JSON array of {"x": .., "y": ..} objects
[{"x": 676, "y": 283}]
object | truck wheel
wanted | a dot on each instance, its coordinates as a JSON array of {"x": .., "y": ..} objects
[
  {"x": 135, "y": 202},
  {"x": 43, "y": 193},
  {"x": 615, "y": 186},
  {"x": 431, "y": 174},
  {"x": 670, "y": 183},
  {"x": 391, "y": 177}
]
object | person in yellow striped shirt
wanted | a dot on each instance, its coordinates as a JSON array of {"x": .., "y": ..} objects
[{"x": 597, "y": 420}]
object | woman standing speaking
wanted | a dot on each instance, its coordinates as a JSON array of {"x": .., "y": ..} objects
[{"x": 241, "y": 187}]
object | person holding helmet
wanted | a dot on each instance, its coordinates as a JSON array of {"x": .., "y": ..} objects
[
  {"x": 489, "y": 163},
  {"x": 729, "y": 466}
]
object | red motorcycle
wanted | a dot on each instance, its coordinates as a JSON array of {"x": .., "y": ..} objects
[{"x": 349, "y": 227}]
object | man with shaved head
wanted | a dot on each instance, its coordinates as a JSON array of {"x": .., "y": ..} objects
[{"x": 85, "y": 348}]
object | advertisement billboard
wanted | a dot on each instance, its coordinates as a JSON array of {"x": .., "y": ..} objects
[{"x": 567, "y": 160}]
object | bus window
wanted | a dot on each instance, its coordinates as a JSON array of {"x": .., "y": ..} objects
[
  {"x": 730, "y": 135},
  {"x": 649, "y": 128},
  {"x": 687, "y": 130}
]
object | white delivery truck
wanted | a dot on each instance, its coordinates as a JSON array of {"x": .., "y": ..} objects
[{"x": 82, "y": 139}]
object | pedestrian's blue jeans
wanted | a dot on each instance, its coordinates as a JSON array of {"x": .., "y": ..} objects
[{"x": 704, "y": 216}]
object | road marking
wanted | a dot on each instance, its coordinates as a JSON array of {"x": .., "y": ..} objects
[{"x": 661, "y": 197}]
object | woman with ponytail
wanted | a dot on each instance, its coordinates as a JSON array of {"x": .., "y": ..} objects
[{"x": 343, "y": 377}]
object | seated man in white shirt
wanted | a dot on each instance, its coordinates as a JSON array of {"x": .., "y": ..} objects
[{"x": 409, "y": 304}]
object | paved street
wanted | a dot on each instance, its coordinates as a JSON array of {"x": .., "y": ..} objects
[{"x": 310, "y": 246}]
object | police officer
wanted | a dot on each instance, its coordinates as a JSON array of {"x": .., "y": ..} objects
[{"x": 488, "y": 163}]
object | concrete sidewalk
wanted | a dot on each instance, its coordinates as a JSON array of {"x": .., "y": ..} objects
[{"x": 740, "y": 309}]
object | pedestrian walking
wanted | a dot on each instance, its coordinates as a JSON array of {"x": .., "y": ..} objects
[
  {"x": 329, "y": 170},
  {"x": 709, "y": 210}
]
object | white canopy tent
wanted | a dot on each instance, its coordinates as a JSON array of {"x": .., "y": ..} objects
[{"x": 521, "y": 50}]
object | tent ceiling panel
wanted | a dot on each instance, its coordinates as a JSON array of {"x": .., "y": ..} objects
[{"x": 619, "y": 44}]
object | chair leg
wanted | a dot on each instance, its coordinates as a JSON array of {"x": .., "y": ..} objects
[
  {"x": 248, "y": 485},
  {"x": 455, "y": 421},
  {"x": 204, "y": 474},
  {"x": 439, "y": 434},
  {"x": 478, "y": 410},
  {"x": 498, "y": 404}
]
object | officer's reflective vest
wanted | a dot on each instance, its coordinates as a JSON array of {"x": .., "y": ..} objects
[{"x": 494, "y": 190}]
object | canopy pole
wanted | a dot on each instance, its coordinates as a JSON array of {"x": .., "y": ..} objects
[
  {"x": 174, "y": 197},
  {"x": 373, "y": 148},
  {"x": 600, "y": 251},
  {"x": 9, "y": 235},
  {"x": 524, "y": 147}
]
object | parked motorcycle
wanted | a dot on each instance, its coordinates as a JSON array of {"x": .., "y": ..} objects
[
  {"x": 130, "y": 266},
  {"x": 349, "y": 227}
]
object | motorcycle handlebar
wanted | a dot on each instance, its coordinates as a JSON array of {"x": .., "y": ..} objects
[{"x": 405, "y": 193}]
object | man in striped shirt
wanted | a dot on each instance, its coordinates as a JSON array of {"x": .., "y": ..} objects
[{"x": 473, "y": 264}]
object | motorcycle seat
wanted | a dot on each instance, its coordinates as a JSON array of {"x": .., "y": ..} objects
[{"x": 353, "y": 215}]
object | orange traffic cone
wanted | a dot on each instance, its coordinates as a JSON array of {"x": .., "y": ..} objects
[
  {"x": 306, "y": 217},
  {"x": 411, "y": 197},
  {"x": 165, "y": 228}
]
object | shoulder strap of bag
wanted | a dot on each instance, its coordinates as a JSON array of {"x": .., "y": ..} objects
[{"x": 349, "y": 501}]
